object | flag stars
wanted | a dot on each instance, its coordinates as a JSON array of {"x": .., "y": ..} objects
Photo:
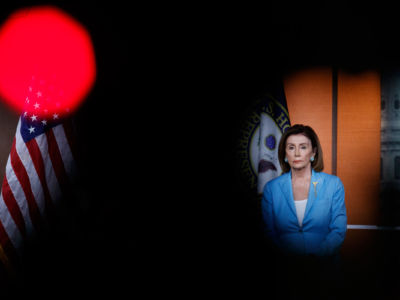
[
  {"x": 31, "y": 129},
  {"x": 25, "y": 114},
  {"x": 44, "y": 122},
  {"x": 34, "y": 118},
  {"x": 36, "y": 105},
  {"x": 27, "y": 100},
  {"x": 38, "y": 94},
  {"x": 55, "y": 116}
]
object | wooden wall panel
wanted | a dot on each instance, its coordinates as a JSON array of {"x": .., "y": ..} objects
[
  {"x": 358, "y": 153},
  {"x": 309, "y": 101}
]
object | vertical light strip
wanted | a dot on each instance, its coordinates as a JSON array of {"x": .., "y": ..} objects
[{"x": 334, "y": 118}]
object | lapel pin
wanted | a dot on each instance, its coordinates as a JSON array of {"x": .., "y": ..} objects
[{"x": 315, "y": 187}]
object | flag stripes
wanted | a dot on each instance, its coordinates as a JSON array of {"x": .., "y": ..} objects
[
  {"x": 9, "y": 256},
  {"x": 38, "y": 163},
  {"x": 10, "y": 237},
  {"x": 32, "y": 175},
  {"x": 70, "y": 138},
  {"x": 65, "y": 151},
  {"x": 36, "y": 178},
  {"x": 15, "y": 208},
  {"x": 57, "y": 162},
  {"x": 22, "y": 176},
  {"x": 52, "y": 183}
]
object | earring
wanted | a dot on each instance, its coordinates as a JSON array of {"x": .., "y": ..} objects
[
  {"x": 312, "y": 158},
  {"x": 286, "y": 160}
]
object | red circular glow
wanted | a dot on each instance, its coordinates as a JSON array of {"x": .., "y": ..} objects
[{"x": 46, "y": 52}]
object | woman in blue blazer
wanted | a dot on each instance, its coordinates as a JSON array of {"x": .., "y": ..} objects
[
  {"x": 304, "y": 210},
  {"x": 304, "y": 217}
]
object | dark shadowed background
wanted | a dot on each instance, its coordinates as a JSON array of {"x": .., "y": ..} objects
[
  {"x": 91, "y": 246},
  {"x": 161, "y": 209},
  {"x": 230, "y": 56}
]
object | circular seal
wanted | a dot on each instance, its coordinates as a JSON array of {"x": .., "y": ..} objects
[
  {"x": 259, "y": 136},
  {"x": 270, "y": 142}
]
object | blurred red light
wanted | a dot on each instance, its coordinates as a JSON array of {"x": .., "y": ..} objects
[{"x": 47, "y": 48}]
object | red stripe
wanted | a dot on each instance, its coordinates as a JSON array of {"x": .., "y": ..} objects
[
  {"x": 57, "y": 162},
  {"x": 23, "y": 179},
  {"x": 69, "y": 133},
  {"x": 38, "y": 163},
  {"x": 8, "y": 248},
  {"x": 13, "y": 207}
]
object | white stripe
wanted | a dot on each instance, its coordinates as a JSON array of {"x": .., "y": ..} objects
[
  {"x": 66, "y": 154},
  {"x": 9, "y": 226},
  {"x": 19, "y": 195},
  {"x": 26, "y": 159},
  {"x": 50, "y": 175},
  {"x": 373, "y": 227}
]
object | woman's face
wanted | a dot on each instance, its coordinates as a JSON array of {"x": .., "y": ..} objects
[{"x": 299, "y": 151}]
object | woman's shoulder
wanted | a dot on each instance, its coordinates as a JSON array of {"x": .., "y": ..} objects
[
  {"x": 329, "y": 177},
  {"x": 278, "y": 179}
]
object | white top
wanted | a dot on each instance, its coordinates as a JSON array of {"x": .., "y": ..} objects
[{"x": 300, "y": 209}]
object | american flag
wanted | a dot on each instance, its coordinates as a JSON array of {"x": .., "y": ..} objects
[{"x": 39, "y": 169}]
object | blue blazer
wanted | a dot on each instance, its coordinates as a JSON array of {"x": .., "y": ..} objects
[{"x": 325, "y": 221}]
